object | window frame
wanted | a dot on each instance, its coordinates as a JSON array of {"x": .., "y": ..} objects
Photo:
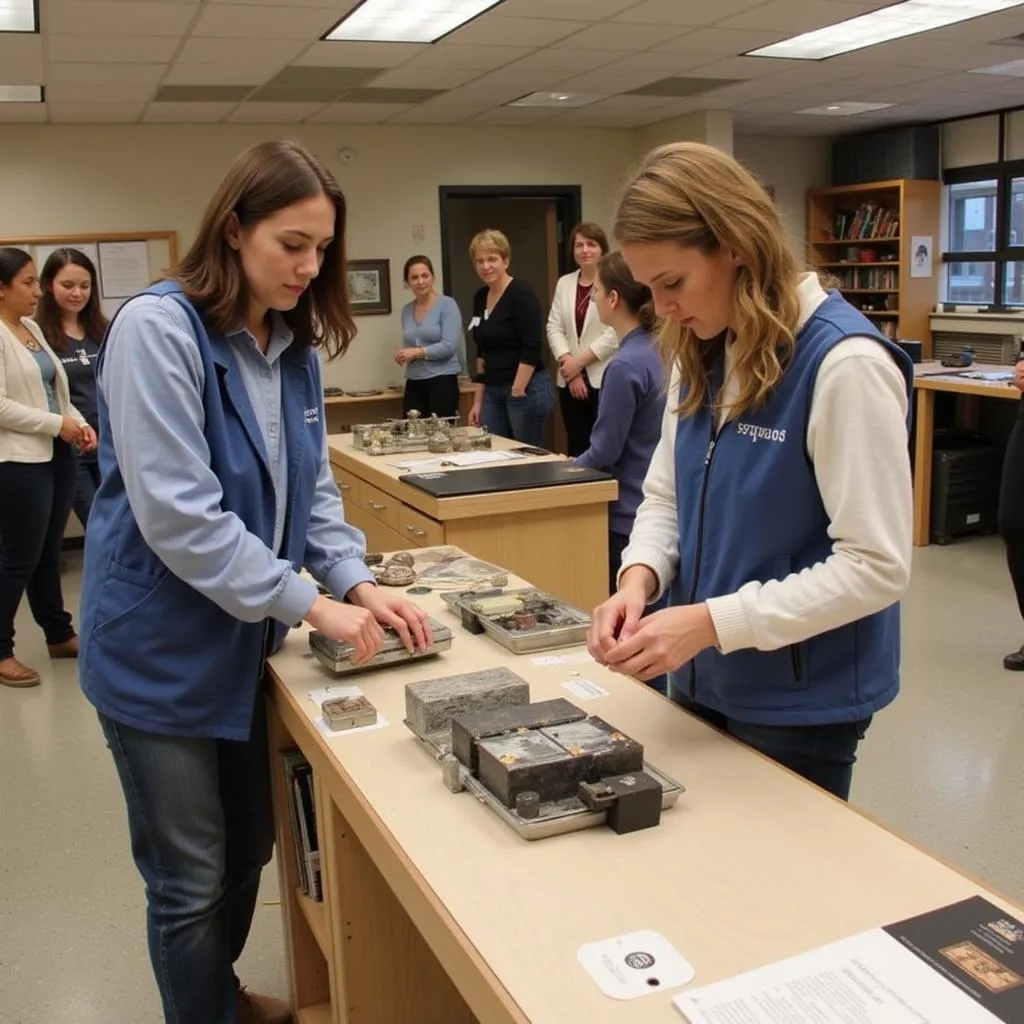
[{"x": 1003, "y": 173}]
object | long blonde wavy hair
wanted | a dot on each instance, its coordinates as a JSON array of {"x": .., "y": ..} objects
[{"x": 695, "y": 195}]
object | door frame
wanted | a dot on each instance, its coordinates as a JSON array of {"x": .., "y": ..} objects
[{"x": 568, "y": 197}]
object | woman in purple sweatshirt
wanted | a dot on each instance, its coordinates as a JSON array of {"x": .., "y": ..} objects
[{"x": 632, "y": 405}]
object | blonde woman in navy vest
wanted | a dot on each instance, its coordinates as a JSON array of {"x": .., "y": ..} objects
[{"x": 777, "y": 509}]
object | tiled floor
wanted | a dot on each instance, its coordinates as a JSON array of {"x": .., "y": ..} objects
[{"x": 943, "y": 766}]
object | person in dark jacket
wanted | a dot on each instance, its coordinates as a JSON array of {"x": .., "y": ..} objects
[{"x": 215, "y": 492}]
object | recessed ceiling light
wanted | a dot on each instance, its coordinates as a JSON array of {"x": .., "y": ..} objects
[
  {"x": 845, "y": 109},
  {"x": 21, "y": 94},
  {"x": 399, "y": 21},
  {"x": 895, "y": 22},
  {"x": 1011, "y": 69},
  {"x": 18, "y": 16},
  {"x": 556, "y": 99}
]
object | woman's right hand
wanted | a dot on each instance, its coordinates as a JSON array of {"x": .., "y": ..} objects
[
  {"x": 349, "y": 623},
  {"x": 618, "y": 618},
  {"x": 70, "y": 430},
  {"x": 474, "y": 415}
]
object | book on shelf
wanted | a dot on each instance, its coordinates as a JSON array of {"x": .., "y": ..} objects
[
  {"x": 302, "y": 817},
  {"x": 868, "y": 278},
  {"x": 869, "y": 220}
]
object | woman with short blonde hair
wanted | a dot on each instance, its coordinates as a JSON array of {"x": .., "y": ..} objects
[
  {"x": 777, "y": 510},
  {"x": 514, "y": 395}
]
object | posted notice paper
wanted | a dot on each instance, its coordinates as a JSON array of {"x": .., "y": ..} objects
[{"x": 962, "y": 964}]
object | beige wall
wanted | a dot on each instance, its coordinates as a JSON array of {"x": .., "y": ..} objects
[
  {"x": 56, "y": 179},
  {"x": 791, "y": 166}
]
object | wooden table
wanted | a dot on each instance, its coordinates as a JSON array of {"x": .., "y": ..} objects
[
  {"x": 346, "y": 410},
  {"x": 926, "y": 386},
  {"x": 436, "y": 912},
  {"x": 555, "y": 536}
]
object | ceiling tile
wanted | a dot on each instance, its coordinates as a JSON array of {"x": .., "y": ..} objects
[
  {"x": 401, "y": 97},
  {"x": 630, "y": 72},
  {"x": 271, "y": 113},
  {"x": 21, "y": 113},
  {"x": 338, "y": 79},
  {"x": 571, "y": 62},
  {"x": 681, "y": 86},
  {"x": 298, "y": 94},
  {"x": 618, "y": 36},
  {"x": 230, "y": 51},
  {"x": 580, "y": 117},
  {"x": 477, "y": 58},
  {"x": 202, "y": 94},
  {"x": 103, "y": 17},
  {"x": 358, "y": 113},
  {"x": 77, "y": 73},
  {"x": 21, "y": 60},
  {"x": 747, "y": 68},
  {"x": 187, "y": 113},
  {"x": 339, "y": 7},
  {"x": 95, "y": 113},
  {"x": 426, "y": 78},
  {"x": 250, "y": 22},
  {"x": 885, "y": 78},
  {"x": 674, "y": 12},
  {"x": 429, "y": 114},
  {"x": 360, "y": 55},
  {"x": 59, "y": 95},
  {"x": 245, "y": 73},
  {"x": 119, "y": 49},
  {"x": 532, "y": 32},
  {"x": 513, "y": 116},
  {"x": 795, "y": 16},
  {"x": 719, "y": 41},
  {"x": 575, "y": 10}
]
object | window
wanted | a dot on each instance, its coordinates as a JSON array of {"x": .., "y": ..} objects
[{"x": 984, "y": 262}]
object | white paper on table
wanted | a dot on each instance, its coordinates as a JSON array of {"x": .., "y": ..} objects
[
  {"x": 332, "y": 692},
  {"x": 414, "y": 463},
  {"x": 867, "y": 979},
  {"x": 476, "y": 458},
  {"x": 635, "y": 965},
  {"x": 124, "y": 268},
  {"x": 585, "y": 689}
]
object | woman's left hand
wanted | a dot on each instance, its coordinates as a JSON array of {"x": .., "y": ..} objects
[
  {"x": 664, "y": 641},
  {"x": 89, "y": 440},
  {"x": 407, "y": 355},
  {"x": 408, "y": 620},
  {"x": 578, "y": 387}
]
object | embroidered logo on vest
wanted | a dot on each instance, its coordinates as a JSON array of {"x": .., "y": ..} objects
[
  {"x": 312, "y": 415},
  {"x": 758, "y": 433}
]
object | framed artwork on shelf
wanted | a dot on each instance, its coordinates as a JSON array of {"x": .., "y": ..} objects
[{"x": 369, "y": 286}]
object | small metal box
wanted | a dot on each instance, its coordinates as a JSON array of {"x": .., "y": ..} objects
[
  {"x": 336, "y": 655},
  {"x": 348, "y": 713}
]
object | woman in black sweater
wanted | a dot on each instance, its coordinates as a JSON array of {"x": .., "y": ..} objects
[{"x": 515, "y": 394}]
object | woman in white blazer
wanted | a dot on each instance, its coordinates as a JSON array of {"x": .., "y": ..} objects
[
  {"x": 580, "y": 343},
  {"x": 39, "y": 432}
]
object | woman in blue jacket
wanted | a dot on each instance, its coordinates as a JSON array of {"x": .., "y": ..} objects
[
  {"x": 216, "y": 490},
  {"x": 777, "y": 509}
]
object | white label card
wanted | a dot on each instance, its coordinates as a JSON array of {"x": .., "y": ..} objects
[
  {"x": 634, "y": 965},
  {"x": 585, "y": 689}
]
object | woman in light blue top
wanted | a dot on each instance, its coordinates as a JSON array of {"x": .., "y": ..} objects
[{"x": 431, "y": 332}]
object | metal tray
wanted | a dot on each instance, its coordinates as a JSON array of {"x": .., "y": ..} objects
[
  {"x": 336, "y": 655},
  {"x": 540, "y": 638}
]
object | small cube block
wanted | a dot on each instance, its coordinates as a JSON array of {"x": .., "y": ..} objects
[{"x": 638, "y": 803}]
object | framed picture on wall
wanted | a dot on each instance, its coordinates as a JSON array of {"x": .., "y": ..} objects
[{"x": 369, "y": 286}]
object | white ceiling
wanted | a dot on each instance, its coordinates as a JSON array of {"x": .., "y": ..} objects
[{"x": 106, "y": 60}]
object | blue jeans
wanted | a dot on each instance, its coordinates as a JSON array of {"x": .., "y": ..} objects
[
  {"x": 202, "y": 828},
  {"x": 822, "y": 754},
  {"x": 87, "y": 480},
  {"x": 521, "y": 419}
]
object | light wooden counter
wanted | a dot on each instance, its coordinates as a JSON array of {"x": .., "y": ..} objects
[
  {"x": 345, "y": 410},
  {"x": 437, "y": 913},
  {"x": 557, "y": 537},
  {"x": 926, "y": 386}
]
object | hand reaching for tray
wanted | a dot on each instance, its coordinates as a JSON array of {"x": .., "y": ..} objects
[
  {"x": 350, "y": 623},
  {"x": 406, "y": 619}
]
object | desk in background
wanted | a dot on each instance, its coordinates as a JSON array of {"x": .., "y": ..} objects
[
  {"x": 555, "y": 536},
  {"x": 346, "y": 410},
  {"x": 926, "y": 386},
  {"x": 436, "y": 911}
]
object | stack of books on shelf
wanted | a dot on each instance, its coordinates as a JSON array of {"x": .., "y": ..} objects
[
  {"x": 887, "y": 328},
  {"x": 302, "y": 814},
  {"x": 869, "y": 278},
  {"x": 869, "y": 220}
]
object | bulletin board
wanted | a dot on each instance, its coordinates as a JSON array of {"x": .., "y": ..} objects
[{"x": 126, "y": 261}]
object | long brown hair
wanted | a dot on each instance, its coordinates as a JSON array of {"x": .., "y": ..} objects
[
  {"x": 268, "y": 177},
  {"x": 50, "y": 316},
  {"x": 695, "y": 195},
  {"x": 615, "y": 276}
]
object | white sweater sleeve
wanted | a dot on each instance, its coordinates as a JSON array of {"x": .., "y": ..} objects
[{"x": 857, "y": 442}]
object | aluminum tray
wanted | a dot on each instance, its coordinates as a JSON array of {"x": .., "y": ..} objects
[
  {"x": 336, "y": 655},
  {"x": 557, "y": 817},
  {"x": 542, "y": 638}
]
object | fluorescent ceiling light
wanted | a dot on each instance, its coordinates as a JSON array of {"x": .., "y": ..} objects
[
  {"x": 1011, "y": 69},
  {"x": 844, "y": 109},
  {"x": 406, "y": 21},
  {"x": 556, "y": 99},
  {"x": 895, "y": 22},
  {"x": 21, "y": 94},
  {"x": 18, "y": 16}
]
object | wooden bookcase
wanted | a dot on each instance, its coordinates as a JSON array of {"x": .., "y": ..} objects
[{"x": 874, "y": 272}]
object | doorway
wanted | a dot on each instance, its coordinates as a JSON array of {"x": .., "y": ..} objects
[{"x": 536, "y": 219}]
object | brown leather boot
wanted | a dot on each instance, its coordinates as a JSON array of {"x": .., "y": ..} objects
[
  {"x": 13, "y": 673},
  {"x": 256, "y": 1009},
  {"x": 67, "y": 649}
]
